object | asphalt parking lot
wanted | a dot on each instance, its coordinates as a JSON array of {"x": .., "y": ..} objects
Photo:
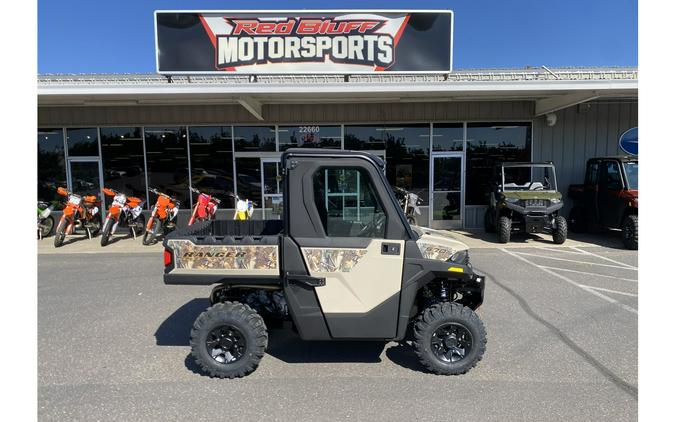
[{"x": 562, "y": 345}]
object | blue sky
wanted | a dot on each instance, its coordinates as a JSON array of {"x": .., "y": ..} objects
[{"x": 118, "y": 36}]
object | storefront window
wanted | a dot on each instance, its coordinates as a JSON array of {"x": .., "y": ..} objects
[
  {"x": 82, "y": 142},
  {"x": 211, "y": 161},
  {"x": 309, "y": 136},
  {"x": 122, "y": 157},
  {"x": 364, "y": 137},
  {"x": 166, "y": 157},
  {"x": 51, "y": 166},
  {"x": 448, "y": 137},
  {"x": 408, "y": 158},
  {"x": 487, "y": 145},
  {"x": 248, "y": 179},
  {"x": 254, "y": 138}
]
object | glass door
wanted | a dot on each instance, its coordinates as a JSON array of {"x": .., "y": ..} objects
[
  {"x": 447, "y": 190},
  {"x": 272, "y": 188},
  {"x": 84, "y": 176}
]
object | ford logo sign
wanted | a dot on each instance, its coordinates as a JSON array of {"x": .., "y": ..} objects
[{"x": 628, "y": 141}]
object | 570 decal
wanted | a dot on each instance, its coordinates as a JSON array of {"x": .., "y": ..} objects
[{"x": 305, "y": 40}]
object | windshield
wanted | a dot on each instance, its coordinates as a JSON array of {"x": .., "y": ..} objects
[
  {"x": 529, "y": 178},
  {"x": 631, "y": 168}
]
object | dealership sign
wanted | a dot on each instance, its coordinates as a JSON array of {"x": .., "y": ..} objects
[
  {"x": 281, "y": 42},
  {"x": 628, "y": 141}
]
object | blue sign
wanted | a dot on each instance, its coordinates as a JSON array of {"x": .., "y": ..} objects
[{"x": 628, "y": 142}]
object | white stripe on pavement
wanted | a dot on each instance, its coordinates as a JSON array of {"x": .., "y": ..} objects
[
  {"x": 632, "y": 267},
  {"x": 610, "y": 291},
  {"x": 575, "y": 261},
  {"x": 582, "y": 287},
  {"x": 587, "y": 273}
]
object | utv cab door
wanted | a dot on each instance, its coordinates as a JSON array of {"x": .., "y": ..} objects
[
  {"x": 343, "y": 220},
  {"x": 609, "y": 193}
]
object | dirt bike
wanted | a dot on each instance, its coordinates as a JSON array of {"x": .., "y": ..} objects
[
  {"x": 79, "y": 213},
  {"x": 162, "y": 218},
  {"x": 409, "y": 202},
  {"x": 243, "y": 208},
  {"x": 45, "y": 222},
  {"x": 205, "y": 208},
  {"x": 124, "y": 211}
]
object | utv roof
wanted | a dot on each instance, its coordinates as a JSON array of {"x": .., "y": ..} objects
[{"x": 312, "y": 152}]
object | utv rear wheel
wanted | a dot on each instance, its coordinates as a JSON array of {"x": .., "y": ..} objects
[
  {"x": 560, "y": 231},
  {"x": 488, "y": 222},
  {"x": 629, "y": 232},
  {"x": 504, "y": 229},
  {"x": 228, "y": 340},
  {"x": 449, "y": 339}
]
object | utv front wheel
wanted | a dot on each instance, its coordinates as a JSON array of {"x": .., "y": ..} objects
[
  {"x": 228, "y": 340},
  {"x": 629, "y": 232},
  {"x": 560, "y": 231},
  {"x": 449, "y": 339},
  {"x": 504, "y": 229}
]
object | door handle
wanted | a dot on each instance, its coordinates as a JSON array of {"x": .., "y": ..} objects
[
  {"x": 391, "y": 249},
  {"x": 306, "y": 280}
]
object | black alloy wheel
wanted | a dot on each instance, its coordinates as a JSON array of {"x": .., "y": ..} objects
[
  {"x": 226, "y": 344},
  {"x": 451, "y": 342}
]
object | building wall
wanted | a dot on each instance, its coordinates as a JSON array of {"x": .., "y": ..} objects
[{"x": 581, "y": 132}]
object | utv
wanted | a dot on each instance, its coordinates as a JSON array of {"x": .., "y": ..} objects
[
  {"x": 608, "y": 198},
  {"x": 524, "y": 198},
  {"x": 342, "y": 264}
]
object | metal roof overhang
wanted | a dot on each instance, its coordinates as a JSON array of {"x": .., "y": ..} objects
[{"x": 549, "y": 95}]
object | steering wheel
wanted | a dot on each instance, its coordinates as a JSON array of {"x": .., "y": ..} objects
[{"x": 374, "y": 226}]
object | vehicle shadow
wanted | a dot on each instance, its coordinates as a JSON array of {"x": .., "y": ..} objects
[
  {"x": 118, "y": 237},
  {"x": 175, "y": 330},
  {"x": 404, "y": 355}
]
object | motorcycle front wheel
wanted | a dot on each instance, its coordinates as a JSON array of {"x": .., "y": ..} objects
[
  {"x": 105, "y": 234},
  {"x": 151, "y": 235},
  {"x": 60, "y": 234}
]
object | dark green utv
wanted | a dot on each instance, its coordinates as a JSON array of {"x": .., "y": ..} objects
[{"x": 524, "y": 198}]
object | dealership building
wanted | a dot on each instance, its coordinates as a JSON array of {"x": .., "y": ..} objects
[{"x": 439, "y": 133}]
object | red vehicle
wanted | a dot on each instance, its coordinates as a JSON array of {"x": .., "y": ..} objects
[
  {"x": 79, "y": 213},
  {"x": 163, "y": 216},
  {"x": 124, "y": 211},
  {"x": 205, "y": 208}
]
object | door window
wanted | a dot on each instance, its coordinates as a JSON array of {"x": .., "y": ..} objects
[
  {"x": 611, "y": 175},
  {"x": 348, "y": 203},
  {"x": 592, "y": 173}
]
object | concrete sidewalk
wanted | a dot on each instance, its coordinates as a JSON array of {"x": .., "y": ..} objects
[{"x": 474, "y": 239}]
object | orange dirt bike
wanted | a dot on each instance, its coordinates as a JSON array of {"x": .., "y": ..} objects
[
  {"x": 205, "y": 208},
  {"x": 80, "y": 212},
  {"x": 124, "y": 211},
  {"x": 162, "y": 218}
]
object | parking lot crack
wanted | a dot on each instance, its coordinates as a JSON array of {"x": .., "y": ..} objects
[{"x": 606, "y": 372}]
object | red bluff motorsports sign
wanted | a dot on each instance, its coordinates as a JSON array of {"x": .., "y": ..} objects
[{"x": 303, "y": 42}]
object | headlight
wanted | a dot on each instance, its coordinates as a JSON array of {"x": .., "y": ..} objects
[
  {"x": 460, "y": 257},
  {"x": 512, "y": 200},
  {"x": 555, "y": 201}
]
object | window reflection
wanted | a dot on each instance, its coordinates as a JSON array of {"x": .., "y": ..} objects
[
  {"x": 51, "y": 166},
  {"x": 254, "y": 138},
  {"x": 166, "y": 157},
  {"x": 122, "y": 157},
  {"x": 309, "y": 136},
  {"x": 487, "y": 145},
  {"x": 82, "y": 142},
  {"x": 211, "y": 160},
  {"x": 248, "y": 178},
  {"x": 448, "y": 137}
]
